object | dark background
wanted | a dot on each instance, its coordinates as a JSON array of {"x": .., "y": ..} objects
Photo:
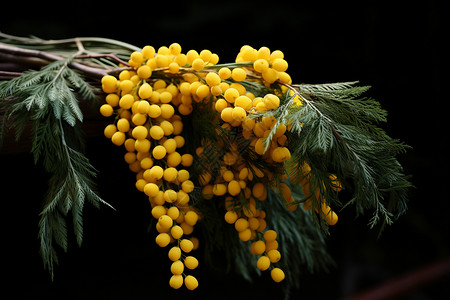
[{"x": 397, "y": 49}]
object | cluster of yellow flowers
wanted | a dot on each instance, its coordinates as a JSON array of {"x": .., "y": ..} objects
[{"x": 150, "y": 100}]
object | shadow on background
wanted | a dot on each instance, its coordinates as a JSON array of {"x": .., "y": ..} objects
[{"x": 397, "y": 50}]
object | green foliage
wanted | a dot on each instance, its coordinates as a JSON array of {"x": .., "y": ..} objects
[
  {"x": 335, "y": 131},
  {"x": 49, "y": 99}
]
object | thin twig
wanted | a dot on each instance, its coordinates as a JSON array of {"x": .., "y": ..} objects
[
  {"x": 38, "y": 41},
  {"x": 23, "y": 53},
  {"x": 109, "y": 55}
]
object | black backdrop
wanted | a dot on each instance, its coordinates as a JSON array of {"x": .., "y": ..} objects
[{"x": 398, "y": 49}]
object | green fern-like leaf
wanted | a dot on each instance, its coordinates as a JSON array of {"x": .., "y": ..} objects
[{"x": 48, "y": 98}]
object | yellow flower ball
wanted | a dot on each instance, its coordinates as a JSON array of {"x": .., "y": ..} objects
[
  {"x": 177, "y": 267},
  {"x": 162, "y": 239},
  {"x": 176, "y": 232},
  {"x": 213, "y": 79},
  {"x": 191, "y": 262},
  {"x": 191, "y": 218},
  {"x": 241, "y": 224},
  {"x": 106, "y": 110},
  {"x": 186, "y": 245},
  {"x": 238, "y": 74},
  {"x": 263, "y": 263},
  {"x": 139, "y": 132},
  {"x": 231, "y": 217},
  {"x": 277, "y": 274},
  {"x": 176, "y": 281},
  {"x": 190, "y": 282}
]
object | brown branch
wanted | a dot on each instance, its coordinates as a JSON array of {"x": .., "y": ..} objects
[
  {"x": 21, "y": 54},
  {"x": 110, "y": 55}
]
